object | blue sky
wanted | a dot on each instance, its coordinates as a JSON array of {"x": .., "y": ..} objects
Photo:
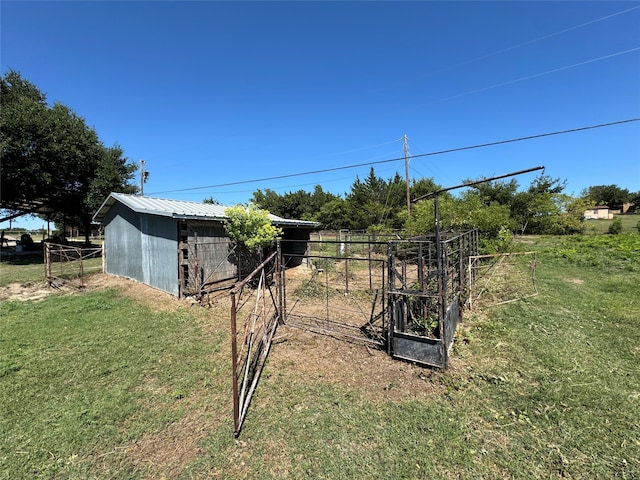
[{"x": 215, "y": 93}]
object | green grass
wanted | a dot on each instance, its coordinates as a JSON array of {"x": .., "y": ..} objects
[
  {"x": 22, "y": 269},
  {"x": 596, "y": 227},
  {"x": 30, "y": 269},
  {"x": 548, "y": 387},
  {"x": 82, "y": 376}
]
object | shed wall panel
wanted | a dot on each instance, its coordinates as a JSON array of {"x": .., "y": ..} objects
[
  {"x": 123, "y": 243},
  {"x": 159, "y": 243}
]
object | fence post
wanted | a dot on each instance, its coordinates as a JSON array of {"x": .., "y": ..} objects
[
  {"x": 47, "y": 262},
  {"x": 234, "y": 366}
]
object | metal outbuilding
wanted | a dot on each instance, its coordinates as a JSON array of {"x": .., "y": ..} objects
[{"x": 177, "y": 246}]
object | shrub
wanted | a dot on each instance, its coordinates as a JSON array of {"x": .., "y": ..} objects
[
  {"x": 616, "y": 226},
  {"x": 250, "y": 226}
]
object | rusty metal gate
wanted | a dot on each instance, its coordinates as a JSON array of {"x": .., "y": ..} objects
[
  {"x": 67, "y": 264},
  {"x": 256, "y": 310}
]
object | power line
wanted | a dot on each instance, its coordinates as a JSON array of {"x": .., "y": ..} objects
[
  {"x": 519, "y": 45},
  {"x": 544, "y": 37},
  {"x": 535, "y": 75},
  {"x": 430, "y": 154}
]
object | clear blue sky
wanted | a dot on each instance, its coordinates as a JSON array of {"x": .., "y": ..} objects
[{"x": 211, "y": 93}]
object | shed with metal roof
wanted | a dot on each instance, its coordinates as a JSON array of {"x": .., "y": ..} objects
[{"x": 177, "y": 246}]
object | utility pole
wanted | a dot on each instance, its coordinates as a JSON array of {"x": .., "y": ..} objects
[
  {"x": 144, "y": 175},
  {"x": 406, "y": 172}
]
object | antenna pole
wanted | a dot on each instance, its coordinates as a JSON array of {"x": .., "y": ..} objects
[
  {"x": 406, "y": 172},
  {"x": 142, "y": 177}
]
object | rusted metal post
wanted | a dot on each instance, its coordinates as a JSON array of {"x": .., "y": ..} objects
[
  {"x": 234, "y": 367},
  {"x": 441, "y": 285},
  {"x": 346, "y": 268},
  {"x": 369, "y": 264},
  {"x": 390, "y": 303},
  {"x": 279, "y": 274},
  {"x": 47, "y": 262},
  {"x": 79, "y": 251}
]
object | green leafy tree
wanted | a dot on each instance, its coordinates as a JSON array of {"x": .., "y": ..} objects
[
  {"x": 334, "y": 215},
  {"x": 250, "y": 226},
  {"x": 497, "y": 192},
  {"x": 210, "y": 200},
  {"x": 460, "y": 213},
  {"x": 423, "y": 186},
  {"x": 300, "y": 205},
  {"x": 51, "y": 158},
  {"x": 535, "y": 210},
  {"x": 610, "y": 195}
]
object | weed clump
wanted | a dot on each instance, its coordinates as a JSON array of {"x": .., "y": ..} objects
[{"x": 616, "y": 226}]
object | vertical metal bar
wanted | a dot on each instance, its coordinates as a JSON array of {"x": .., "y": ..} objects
[
  {"x": 383, "y": 291},
  {"x": 390, "y": 302},
  {"x": 47, "y": 263},
  {"x": 326, "y": 289},
  {"x": 441, "y": 285},
  {"x": 81, "y": 269},
  {"x": 420, "y": 267},
  {"x": 234, "y": 367},
  {"x": 280, "y": 284},
  {"x": 460, "y": 267},
  {"x": 369, "y": 263},
  {"x": 346, "y": 268}
]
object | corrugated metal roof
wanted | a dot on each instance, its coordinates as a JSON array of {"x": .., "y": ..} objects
[{"x": 181, "y": 209}]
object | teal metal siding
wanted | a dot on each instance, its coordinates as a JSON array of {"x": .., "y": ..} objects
[
  {"x": 160, "y": 252},
  {"x": 122, "y": 243},
  {"x": 142, "y": 247}
]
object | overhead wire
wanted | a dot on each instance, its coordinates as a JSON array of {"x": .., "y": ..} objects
[
  {"x": 422, "y": 155},
  {"x": 535, "y": 75},
  {"x": 519, "y": 45},
  {"x": 453, "y": 97},
  {"x": 538, "y": 39}
]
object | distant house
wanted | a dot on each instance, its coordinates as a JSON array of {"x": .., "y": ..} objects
[
  {"x": 177, "y": 246},
  {"x": 601, "y": 212}
]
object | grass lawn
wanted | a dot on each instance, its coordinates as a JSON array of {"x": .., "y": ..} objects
[
  {"x": 597, "y": 227},
  {"x": 22, "y": 269},
  {"x": 119, "y": 383},
  {"x": 29, "y": 268}
]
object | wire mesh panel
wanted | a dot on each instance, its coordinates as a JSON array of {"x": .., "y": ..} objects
[
  {"x": 339, "y": 289},
  {"x": 502, "y": 278}
]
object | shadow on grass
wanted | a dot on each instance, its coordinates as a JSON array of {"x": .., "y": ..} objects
[{"x": 24, "y": 258}]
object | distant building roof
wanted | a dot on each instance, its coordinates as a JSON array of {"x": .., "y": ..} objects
[{"x": 181, "y": 209}]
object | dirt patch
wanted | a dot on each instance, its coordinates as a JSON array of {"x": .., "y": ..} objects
[
  {"x": 26, "y": 291},
  {"x": 575, "y": 281},
  {"x": 375, "y": 375},
  {"x": 166, "y": 453}
]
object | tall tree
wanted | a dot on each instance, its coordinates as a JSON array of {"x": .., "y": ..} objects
[
  {"x": 610, "y": 195},
  {"x": 52, "y": 159},
  {"x": 497, "y": 192}
]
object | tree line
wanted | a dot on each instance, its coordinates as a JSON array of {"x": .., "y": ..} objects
[{"x": 493, "y": 207}]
